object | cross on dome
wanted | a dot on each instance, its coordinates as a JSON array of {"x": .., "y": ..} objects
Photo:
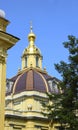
[{"x": 31, "y": 27}]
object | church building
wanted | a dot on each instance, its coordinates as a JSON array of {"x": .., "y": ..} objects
[{"x": 26, "y": 91}]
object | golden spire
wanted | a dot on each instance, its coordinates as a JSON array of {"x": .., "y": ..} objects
[{"x": 31, "y": 36}]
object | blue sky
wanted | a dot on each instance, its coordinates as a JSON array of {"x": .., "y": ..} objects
[{"x": 53, "y": 21}]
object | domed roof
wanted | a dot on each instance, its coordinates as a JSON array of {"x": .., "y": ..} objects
[
  {"x": 32, "y": 77},
  {"x": 31, "y": 36},
  {"x": 30, "y": 80}
]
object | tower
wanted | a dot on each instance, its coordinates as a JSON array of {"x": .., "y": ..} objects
[{"x": 6, "y": 42}]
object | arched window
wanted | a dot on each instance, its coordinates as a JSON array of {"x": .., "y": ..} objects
[
  {"x": 37, "y": 59},
  {"x": 25, "y": 61}
]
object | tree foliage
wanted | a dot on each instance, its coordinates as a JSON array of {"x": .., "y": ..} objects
[{"x": 63, "y": 106}]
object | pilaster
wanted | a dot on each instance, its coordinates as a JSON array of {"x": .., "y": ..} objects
[{"x": 2, "y": 86}]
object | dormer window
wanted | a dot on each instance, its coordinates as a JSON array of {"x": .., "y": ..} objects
[
  {"x": 53, "y": 86},
  {"x": 8, "y": 86}
]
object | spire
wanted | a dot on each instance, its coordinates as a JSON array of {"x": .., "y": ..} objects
[{"x": 31, "y": 36}]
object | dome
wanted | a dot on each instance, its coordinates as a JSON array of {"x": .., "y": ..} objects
[
  {"x": 30, "y": 80},
  {"x": 31, "y": 36},
  {"x": 32, "y": 77}
]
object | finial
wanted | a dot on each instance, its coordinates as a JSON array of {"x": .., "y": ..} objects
[
  {"x": 31, "y": 28},
  {"x": 31, "y": 36},
  {"x": 2, "y": 13}
]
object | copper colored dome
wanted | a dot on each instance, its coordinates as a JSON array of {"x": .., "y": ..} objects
[{"x": 30, "y": 80}]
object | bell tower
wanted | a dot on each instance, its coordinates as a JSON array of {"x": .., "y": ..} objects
[
  {"x": 31, "y": 55},
  {"x": 6, "y": 42}
]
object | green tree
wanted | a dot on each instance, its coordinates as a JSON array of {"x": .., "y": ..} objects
[{"x": 65, "y": 104}]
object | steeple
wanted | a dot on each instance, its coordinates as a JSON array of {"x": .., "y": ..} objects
[{"x": 31, "y": 55}]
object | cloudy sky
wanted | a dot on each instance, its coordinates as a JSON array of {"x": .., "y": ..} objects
[{"x": 53, "y": 21}]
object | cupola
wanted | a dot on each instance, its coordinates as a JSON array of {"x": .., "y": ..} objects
[{"x": 31, "y": 56}]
